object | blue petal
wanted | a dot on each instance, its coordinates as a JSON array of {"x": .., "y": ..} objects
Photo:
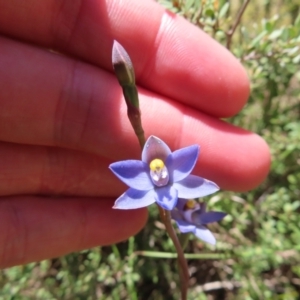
[
  {"x": 155, "y": 148},
  {"x": 195, "y": 187},
  {"x": 134, "y": 173},
  {"x": 181, "y": 203},
  {"x": 166, "y": 197},
  {"x": 185, "y": 227},
  {"x": 181, "y": 162},
  {"x": 132, "y": 199},
  {"x": 205, "y": 235},
  {"x": 176, "y": 215},
  {"x": 202, "y": 209},
  {"x": 211, "y": 216}
]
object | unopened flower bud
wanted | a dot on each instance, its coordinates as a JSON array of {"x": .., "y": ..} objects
[{"x": 122, "y": 65}]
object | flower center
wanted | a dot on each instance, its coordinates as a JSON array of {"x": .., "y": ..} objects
[
  {"x": 158, "y": 172},
  {"x": 190, "y": 204},
  {"x": 189, "y": 209}
]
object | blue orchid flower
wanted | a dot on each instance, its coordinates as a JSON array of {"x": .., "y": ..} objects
[
  {"x": 191, "y": 216},
  {"x": 161, "y": 176}
]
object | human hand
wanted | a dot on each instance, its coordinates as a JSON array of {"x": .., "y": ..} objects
[{"x": 63, "y": 118}]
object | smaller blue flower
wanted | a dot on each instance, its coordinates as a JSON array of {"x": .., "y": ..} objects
[
  {"x": 161, "y": 176},
  {"x": 191, "y": 216}
]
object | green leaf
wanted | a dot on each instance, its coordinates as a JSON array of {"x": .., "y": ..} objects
[
  {"x": 209, "y": 13},
  {"x": 297, "y": 22},
  {"x": 223, "y": 11},
  {"x": 268, "y": 25},
  {"x": 257, "y": 40},
  {"x": 276, "y": 34},
  {"x": 189, "y": 4}
]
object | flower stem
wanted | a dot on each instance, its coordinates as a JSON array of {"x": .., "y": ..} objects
[
  {"x": 125, "y": 74},
  {"x": 183, "y": 267}
]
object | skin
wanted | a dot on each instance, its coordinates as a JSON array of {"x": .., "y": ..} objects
[{"x": 63, "y": 118}]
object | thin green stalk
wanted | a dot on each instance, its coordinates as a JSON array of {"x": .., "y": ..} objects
[{"x": 170, "y": 255}]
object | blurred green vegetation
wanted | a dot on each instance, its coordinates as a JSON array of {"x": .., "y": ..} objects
[{"x": 258, "y": 251}]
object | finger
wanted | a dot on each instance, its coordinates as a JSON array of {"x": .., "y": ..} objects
[
  {"x": 54, "y": 171},
  {"x": 36, "y": 228},
  {"x": 76, "y": 106},
  {"x": 170, "y": 55}
]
